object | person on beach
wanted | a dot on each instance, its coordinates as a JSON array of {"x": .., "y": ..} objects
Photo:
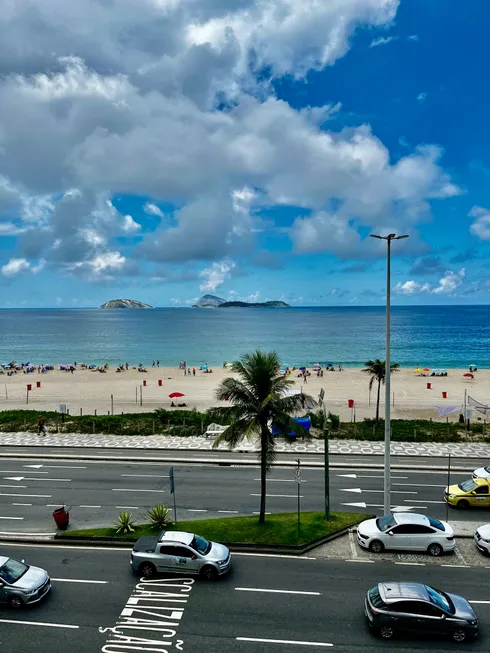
[
  {"x": 41, "y": 424},
  {"x": 193, "y": 371},
  {"x": 158, "y": 363},
  {"x": 127, "y": 366},
  {"x": 153, "y": 364}
]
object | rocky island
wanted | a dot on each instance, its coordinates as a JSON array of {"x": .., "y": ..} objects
[
  {"x": 125, "y": 303},
  {"x": 211, "y": 301}
]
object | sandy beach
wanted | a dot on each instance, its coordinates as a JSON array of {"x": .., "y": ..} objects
[{"x": 90, "y": 391}]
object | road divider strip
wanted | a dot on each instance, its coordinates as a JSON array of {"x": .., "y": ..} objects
[
  {"x": 282, "y": 641},
  {"x": 271, "y": 591}
]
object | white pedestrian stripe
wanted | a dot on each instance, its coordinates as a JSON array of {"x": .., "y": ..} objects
[
  {"x": 121, "y": 489},
  {"x": 255, "y": 589},
  {"x": 282, "y": 641},
  {"x": 37, "y": 623},
  {"x": 285, "y": 496},
  {"x": 76, "y": 580}
]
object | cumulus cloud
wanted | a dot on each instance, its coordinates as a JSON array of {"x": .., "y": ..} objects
[
  {"x": 215, "y": 275},
  {"x": 481, "y": 226},
  {"x": 15, "y": 266},
  {"x": 153, "y": 209},
  {"x": 447, "y": 285}
]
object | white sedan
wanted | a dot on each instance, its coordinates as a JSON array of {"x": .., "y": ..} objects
[
  {"x": 408, "y": 532},
  {"x": 482, "y": 538},
  {"x": 482, "y": 472}
]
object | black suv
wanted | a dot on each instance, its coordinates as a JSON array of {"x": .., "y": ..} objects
[{"x": 393, "y": 608}]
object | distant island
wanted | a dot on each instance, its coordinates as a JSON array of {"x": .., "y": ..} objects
[
  {"x": 212, "y": 301},
  {"x": 125, "y": 303}
]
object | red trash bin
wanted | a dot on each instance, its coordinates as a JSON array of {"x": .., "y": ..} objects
[
  {"x": 444, "y": 395},
  {"x": 429, "y": 386},
  {"x": 62, "y": 518},
  {"x": 29, "y": 387},
  {"x": 38, "y": 384},
  {"x": 350, "y": 403},
  {"x": 144, "y": 382},
  {"x": 159, "y": 381}
]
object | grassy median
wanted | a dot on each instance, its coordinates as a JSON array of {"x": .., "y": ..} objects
[{"x": 279, "y": 529}]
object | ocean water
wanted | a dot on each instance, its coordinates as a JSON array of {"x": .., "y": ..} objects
[{"x": 442, "y": 336}]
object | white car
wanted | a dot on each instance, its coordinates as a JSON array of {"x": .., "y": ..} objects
[
  {"x": 406, "y": 531},
  {"x": 482, "y": 538},
  {"x": 482, "y": 472}
]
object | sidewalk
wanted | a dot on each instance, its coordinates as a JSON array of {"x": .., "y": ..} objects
[{"x": 201, "y": 443}]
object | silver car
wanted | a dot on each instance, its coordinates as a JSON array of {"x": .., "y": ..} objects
[
  {"x": 180, "y": 552},
  {"x": 482, "y": 538},
  {"x": 21, "y": 584},
  {"x": 482, "y": 472}
]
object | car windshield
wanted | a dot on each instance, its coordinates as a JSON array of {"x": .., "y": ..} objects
[
  {"x": 468, "y": 485},
  {"x": 201, "y": 545},
  {"x": 12, "y": 571},
  {"x": 439, "y": 599},
  {"x": 386, "y": 522},
  {"x": 487, "y": 469},
  {"x": 435, "y": 523},
  {"x": 375, "y": 598}
]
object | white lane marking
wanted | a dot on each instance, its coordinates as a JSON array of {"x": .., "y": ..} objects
[
  {"x": 353, "y": 548},
  {"x": 358, "y": 491},
  {"x": 123, "y": 489},
  {"x": 22, "y": 504},
  {"x": 52, "y": 505},
  {"x": 360, "y": 560},
  {"x": 460, "y": 556},
  {"x": 52, "y": 467},
  {"x": 37, "y": 623},
  {"x": 39, "y": 496},
  {"x": 145, "y": 475},
  {"x": 19, "y": 487},
  {"x": 256, "y": 512},
  {"x": 419, "y": 484},
  {"x": 271, "y": 555},
  {"x": 359, "y": 504},
  {"x": 420, "y": 501},
  {"x": 285, "y": 496},
  {"x": 411, "y": 564},
  {"x": 281, "y": 480},
  {"x": 20, "y": 471},
  {"x": 457, "y": 566},
  {"x": 196, "y": 510},
  {"x": 256, "y": 589},
  {"x": 31, "y": 478},
  {"x": 398, "y": 478},
  {"x": 12, "y": 518},
  {"x": 76, "y": 580},
  {"x": 90, "y": 506},
  {"x": 482, "y": 602},
  {"x": 234, "y": 511},
  {"x": 62, "y": 546},
  {"x": 127, "y": 507},
  {"x": 281, "y": 641}
]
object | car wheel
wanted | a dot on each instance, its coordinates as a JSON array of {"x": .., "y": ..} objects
[
  {"x": 460, "y": 635},
  {"x": 435, "y": 550},
  {"x": 376, "y": 546},
  {"x": 386, "y": 632},
  {"x": 209, "y": 573},
  {"x": 147, "y": 570},
  {"x": 463, "y": 504},
  {"x": 16, "y": 602}
]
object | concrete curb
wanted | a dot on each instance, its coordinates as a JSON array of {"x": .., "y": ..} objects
[{"x": 223, "y": 463}]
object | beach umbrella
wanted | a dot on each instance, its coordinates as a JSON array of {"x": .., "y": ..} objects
[
  {"x": 426, "y": 369},
  {"x": 418, "y": 370},
  {"x": 302, "y": 368},
  {"x": 468, "y": 375},
  {"x": 174, "y": 395}
]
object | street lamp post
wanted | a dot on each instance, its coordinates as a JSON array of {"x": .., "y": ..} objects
[{"x": 387, "y": 479}]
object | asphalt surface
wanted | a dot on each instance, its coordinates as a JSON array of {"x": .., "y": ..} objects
[
  {"x": 31, "y": 489},
  {"x": 265, "y": 604}
]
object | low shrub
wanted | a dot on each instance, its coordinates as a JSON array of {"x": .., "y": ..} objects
[{"x": 125, "y": 523}]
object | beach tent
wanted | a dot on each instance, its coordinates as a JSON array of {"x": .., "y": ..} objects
[{"x": 305, "y": 422}]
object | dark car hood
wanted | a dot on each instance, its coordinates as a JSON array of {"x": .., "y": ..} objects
[{"x": 462, "y": 607}]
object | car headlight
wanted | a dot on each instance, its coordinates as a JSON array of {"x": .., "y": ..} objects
[
  {"x": 452, "y": 496},
  {"x": 223, "y": 562},
  {"x": 29, "y": 591}
]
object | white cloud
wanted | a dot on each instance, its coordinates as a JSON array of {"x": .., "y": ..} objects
[
  {"x": 447, "y": 285},
  {"x": 153, "y": 209},
  {"x": 254, "y": 297},
  {"x": 481, "y": 226},
  {"x": 129, "y": 225},
  {"x": 413, "y": 37},
  {"x": 421, "y": 97},
  {"x": 215, "y": 275},
  {"x": 382, "y": 40},
  {"x": 59, "y": 301},
  {"x": 14, "y": 267}
]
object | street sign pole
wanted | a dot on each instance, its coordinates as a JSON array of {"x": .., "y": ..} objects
[
  {"x": 326, "y": 464},
  {"x": 297, "y": 475},
  {"x": 172, "y": 491}
]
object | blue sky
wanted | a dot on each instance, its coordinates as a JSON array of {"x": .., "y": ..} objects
[{"x": 189, "y": 147}]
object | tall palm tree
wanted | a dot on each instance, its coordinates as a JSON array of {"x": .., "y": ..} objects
[
  {"x": 377, "y": 373},
  {"x": 259, "y": 398}
]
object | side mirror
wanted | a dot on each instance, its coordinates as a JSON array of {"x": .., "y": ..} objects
[{"x": 390, "y": 533}]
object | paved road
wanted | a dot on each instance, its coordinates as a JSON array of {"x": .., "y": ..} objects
[
  {"x": 304, "y": 603},
  {"x": 98, "y": 491}
]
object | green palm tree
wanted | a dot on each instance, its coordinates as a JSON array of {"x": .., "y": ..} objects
[
  {"x": 259, "y": 398},
  {"x": 377, "y": 373}
]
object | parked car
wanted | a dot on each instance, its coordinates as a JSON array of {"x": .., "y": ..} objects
[
  {"x": 406, "y": 531},
  {"x": 393, "y": 608},
  {"x": 482, "y": 472},
  {"x": 21, "y": 584},
  {"x": 472, "y": 492},
  {"x": 482, "y": 538},
  {"x": 180, "y": 552}
]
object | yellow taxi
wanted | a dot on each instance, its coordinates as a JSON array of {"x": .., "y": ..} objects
[{"x": 473, "y": 492}]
